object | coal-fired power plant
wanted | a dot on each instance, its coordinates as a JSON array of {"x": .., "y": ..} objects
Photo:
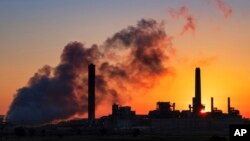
[
  {"x": 165, "y": 118},
  {"x": 121, "y": 70},
  {"x": 91, "y": 93}
]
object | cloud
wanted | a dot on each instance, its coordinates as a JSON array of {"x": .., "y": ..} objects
[{"x": 132, "y": 59}]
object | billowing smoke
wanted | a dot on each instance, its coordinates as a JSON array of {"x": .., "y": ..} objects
[
  {"x": 183, "y": 12},
  {"x": 225, "y": 10},
  {"x": 132, "y": 59},
  {"x": 55, "y": 93}
]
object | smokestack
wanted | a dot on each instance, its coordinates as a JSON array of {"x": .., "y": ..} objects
[
  {"x": 173, "y": 106},
  {"x": 91, "y": 93},
  {"x": 198, "y": 86},
  {"x": 212, "y": 104},
  {"x": 228, "y": 105},
  {"x": 197, "y": 107}
]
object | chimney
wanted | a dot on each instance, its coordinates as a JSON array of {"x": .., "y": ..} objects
[
  {"x": 197, "y": 107},
  {"x": 198, "y": 86},
  {"x": 228, "y": 105},
  {"x": 212, "y": 104},
  {"x": 91, "y": 93}
]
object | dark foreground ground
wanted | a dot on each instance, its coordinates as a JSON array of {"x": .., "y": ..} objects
[{"x": 118, "y": 138}]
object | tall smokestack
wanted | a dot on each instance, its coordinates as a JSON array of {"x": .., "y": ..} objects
[
  {"x": 91, "y": 93},
  {"x": 228, "y": 105},
  {"x": 212, "y": 104},
  {"x": 197, "y": 107},
  {"x": 198, "y": 86}
]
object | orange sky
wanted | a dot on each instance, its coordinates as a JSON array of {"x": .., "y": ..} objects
[{"x": 220, "y": 47}]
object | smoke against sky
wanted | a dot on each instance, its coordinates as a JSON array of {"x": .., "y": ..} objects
[
  {"x": 190, "y": 24},
  {"x": 183, "y": 12},
  {"x": 224, "y": 9},
  {"x": 136, "y": 57}
]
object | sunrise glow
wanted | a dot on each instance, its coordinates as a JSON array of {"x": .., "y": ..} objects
[{"x": 198, "y": 34}]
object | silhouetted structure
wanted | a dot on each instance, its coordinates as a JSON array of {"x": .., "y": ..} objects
[
  {"x": 121, "y": 117},
  {"x": 165, "y": 116},
  {"x": 122, "y": 112},
  {"x": 231, "y": 111},
  {"x": 163, "y": 119},
  {"x": 164, "y": 110},
  {"x": 215, "y": 112},
  {"x": 91, "y": 93},
  {"x": 212, "y": 104},
  {"x": 197, "y": 106}
]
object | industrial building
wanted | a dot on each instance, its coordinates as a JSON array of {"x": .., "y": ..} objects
[
  {"x": 166, "y": 110},
  {"x": 165, "y": 118}
]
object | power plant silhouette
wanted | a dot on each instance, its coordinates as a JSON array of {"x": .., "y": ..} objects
[{"x": 165, "y": 118}]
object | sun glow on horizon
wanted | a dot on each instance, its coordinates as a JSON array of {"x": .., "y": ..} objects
[{"x": 220, "y": 48}]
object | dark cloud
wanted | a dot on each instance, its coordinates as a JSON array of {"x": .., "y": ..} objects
[{"x": 131, "y": 60}]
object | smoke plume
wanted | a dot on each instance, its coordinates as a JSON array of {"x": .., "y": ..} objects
[
  {"x": 225, "y": 10},
  {"x": 132, "y": 59},
  {"x": 183, "y": 12}
]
